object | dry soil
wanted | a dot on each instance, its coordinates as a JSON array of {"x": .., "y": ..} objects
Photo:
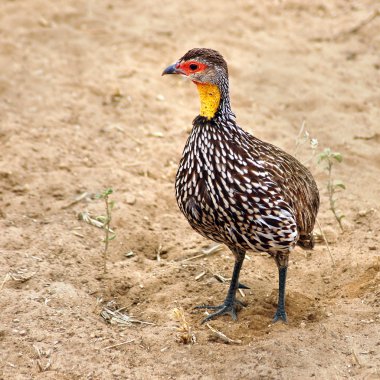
[{"x": 84, "y": 107}]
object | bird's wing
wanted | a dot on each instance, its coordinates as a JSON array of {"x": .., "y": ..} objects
[{"x": 295, "y": 182}]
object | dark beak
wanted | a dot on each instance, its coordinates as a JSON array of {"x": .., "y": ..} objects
[{"x": 172, "y": 69}]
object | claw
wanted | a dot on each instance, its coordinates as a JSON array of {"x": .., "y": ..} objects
[
  {"x": 280, "y": 315},
  {"x": 229, "y": 308},
  {"x": 222, "y": 311},
  {"x": 230, "y": 305}
]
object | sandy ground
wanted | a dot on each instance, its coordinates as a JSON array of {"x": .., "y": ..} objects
[{"x": 83, "y": 107}]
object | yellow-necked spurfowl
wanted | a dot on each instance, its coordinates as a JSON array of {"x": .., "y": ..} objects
[{"x": 236, "y": 189}]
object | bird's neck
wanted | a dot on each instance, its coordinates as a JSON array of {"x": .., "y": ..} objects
[{"x": 212, "y": 99}]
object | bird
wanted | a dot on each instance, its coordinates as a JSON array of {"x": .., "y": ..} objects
[{"x": 236, "y": 189}]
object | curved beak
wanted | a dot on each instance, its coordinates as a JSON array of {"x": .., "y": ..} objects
[{"x": 173, "y": 69}]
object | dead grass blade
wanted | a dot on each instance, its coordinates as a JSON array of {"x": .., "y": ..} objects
[
  {"x": 185, "y": 334},
  {"x": 375, "y": 136},
  {"x": 113, "y": 315},
  {"x": 20, "y": 275},
  {"x": 206, "y": 252},
  {"x": 353, "y": 30},
  {"x": 41, "y": 356},
  {"x": 220, "y": 278},
  {"x": 84, "y": 196},
  {"x": 158, "y": 253},
  {"x": 326, "y": 242},
  {"x": 360, "y": 25},
  {"x": 16, "y": 275},
  {"x": 356, "y": 358},
  {"x": 118, "y": 344},
  {"x": 6, "y": 278},
  {"x": 200, "y": 275}
]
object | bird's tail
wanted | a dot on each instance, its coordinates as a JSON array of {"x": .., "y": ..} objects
[{"x": 306, "y": 241}]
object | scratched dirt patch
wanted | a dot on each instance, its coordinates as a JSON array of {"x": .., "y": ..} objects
[{"x": 84, "y": 107}]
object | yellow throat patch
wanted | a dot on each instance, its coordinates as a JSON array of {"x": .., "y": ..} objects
[{"x": 209, "y": 96}]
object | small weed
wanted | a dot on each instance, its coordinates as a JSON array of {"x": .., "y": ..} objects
[
  {"x": 329, "y": 158},
  {"x": 303, "y": 138},
  {"x": 185, "y": 334},
  {"x": 106, "y": 220}
]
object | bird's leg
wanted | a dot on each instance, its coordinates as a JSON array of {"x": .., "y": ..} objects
[
  {"x": 282, "y": 264},
  {"x": 230, "y": 304}
]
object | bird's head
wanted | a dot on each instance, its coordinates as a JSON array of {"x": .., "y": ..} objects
[
  {"x": 208, "y": 70},
  {"x": 201, "y": 66}
]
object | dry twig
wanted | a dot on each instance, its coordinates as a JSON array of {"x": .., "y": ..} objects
[{"x": 219, "y": 335}]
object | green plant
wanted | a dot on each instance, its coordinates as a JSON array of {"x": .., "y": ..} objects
[
  {"x": 329, "y": 158},
  {"x": 106, "y": 220}
]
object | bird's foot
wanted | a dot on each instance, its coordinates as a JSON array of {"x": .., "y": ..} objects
[
  {"x": 280, "y": 314},
  {"x": 227, "y": 307}
]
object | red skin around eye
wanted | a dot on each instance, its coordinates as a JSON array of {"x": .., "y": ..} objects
[{"x": 185, "y": 67}]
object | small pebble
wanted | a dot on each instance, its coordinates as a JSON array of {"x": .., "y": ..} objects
[
  {"x": 129, "y": 254},
  {"x": 130, "y": 199}
]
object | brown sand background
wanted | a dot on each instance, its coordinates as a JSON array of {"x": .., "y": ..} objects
[{"x": 83, "y": 107}]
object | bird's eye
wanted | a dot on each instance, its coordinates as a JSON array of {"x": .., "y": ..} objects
[{"x": 193, "y": 66}]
